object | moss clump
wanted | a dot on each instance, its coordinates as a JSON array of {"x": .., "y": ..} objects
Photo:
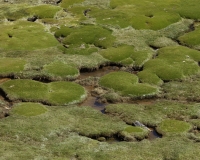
[
  {"x": 133, "y": 129},
  {"x": 139, "y": 15},
  {"x": 29, "y": 109},
  {"x": 189, "y": 10},
  {"x": 149, "y": 77},
  {"x": 132, "y": 133},
  {"x": 170, "y": 126},
  {"x": 60, "y": 71},
  {"x": 56, "y": 93},
  {"x": 24, "y": 35},
  {"x": 126, "y": 55},
  {"x": 191, "y": 39},
  {"x": 175, "y": 63},
  {"x": 13, "y": 12},
  {"x": 88, "y": 34},
  {"x": 44, "y": 11},
  {"x": 64, "y": 93},
  {"x": 10, "y": 66},
  {"x": 127, "y": 85},
  {"x": 117, "y": 54}
]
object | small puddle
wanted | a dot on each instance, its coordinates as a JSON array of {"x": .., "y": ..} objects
[
  {"x": 153, "y": 134},
  {"x": 92, "y": 101}
]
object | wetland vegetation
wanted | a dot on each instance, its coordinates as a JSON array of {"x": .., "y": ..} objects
[{"x": 102, "y": 80}]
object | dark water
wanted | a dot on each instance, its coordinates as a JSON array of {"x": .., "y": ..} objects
[
  {"x": 92, "y": 101},
  {"x": 153, "y": 134}
]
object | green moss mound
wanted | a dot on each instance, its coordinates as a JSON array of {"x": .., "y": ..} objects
[
  {"x": 170, "y": 126},
  {"x": 60, "y": 71},
  {"x": 172, "y": 63},
  {"x": 127, "y": 84},
  {"x": 133, "y": 129},
  {"x": 44, "y": 11},
  {"x": 118, "y": 54},
  {"x": 148, "y": 14},
  {"x": 88, "y": 34},
  {"x": 64, "y": 93},
  {"x": 24, "y": 35},
  {"x": 132, "y": 133},
  {"x": 126, "y": 55},
  {"x": 55, "y": 93},
  {"x": 13, "y": 12},
  {"x": 10, "y": 66},
  {"x": 189, "y": 10},
  {"x": 29, "y": 109},
  {"x": 149, "y": 77},
  {"x": 191, "y": 39}
]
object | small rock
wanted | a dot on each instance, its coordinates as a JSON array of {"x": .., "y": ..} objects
[{"x": 101, "y": 139}]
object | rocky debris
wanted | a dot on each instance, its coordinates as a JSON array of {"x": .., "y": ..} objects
[
  {"x": 54, "y": 2},
  {"x": 86, "y": 11},
  {"x": 32, "y": 19},
  {"x": 4, "y": 112},
  {"x": 139, "y": 124}
]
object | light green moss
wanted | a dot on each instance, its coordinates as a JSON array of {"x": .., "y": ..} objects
[
  {"x": 13, "y": 12},
  {"x": 127, "y": 84},
  {"x": 88, "y": 34},
  {"x": 191, "y": 39},
  {"x": 60, "y": 71},
  {"x": 133, "y": 129},
  {"x": 24, "y": 35},
  {"x": 170, "y": 126},
  {"x": 29, "y": 109},
  {"x": 11, "y": 66},
  {"x": 149, "y": 77},
  {"x": 189, "y": 10},
  {"x": 172, "y": 63},
  {"x": 56, "y": 93},
  {"x": 44, "y": 11},
  {"x": 118, "y": 54},
  {"x": 64, "y": 93}
]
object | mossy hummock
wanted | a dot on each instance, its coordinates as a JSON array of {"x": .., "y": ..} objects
[
  {"x": 24, "y": 35},
  {"x": 191, "y": 39},
  {"x": 60, "y": 71},
  {"x": 44, "y": 11},
  {"x": 131, "y": 133},
  {"x": 170, "y": 126},
  {"x": 84, "y": 35},
  {"x": 172, "y": 63},
  {"x": 11, "y": 66},
  {"x": 55, "y": 93},
  {"x": 29, "y": 109},
  {"x": 127, "y": 85}
]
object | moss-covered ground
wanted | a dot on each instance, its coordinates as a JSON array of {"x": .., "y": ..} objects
[{"x": 45, "y": 45}]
